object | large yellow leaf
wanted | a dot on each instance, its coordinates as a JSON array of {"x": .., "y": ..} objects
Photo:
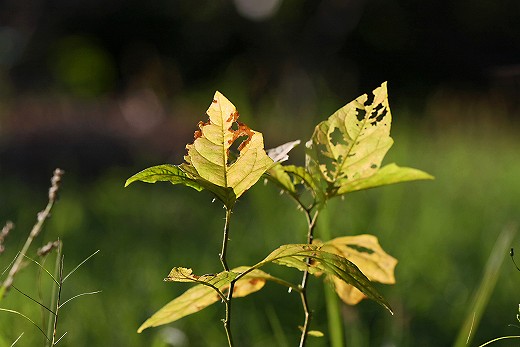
[
  {"x": 370, "y": 258},
  {"x": 205, "y": 293},
  {"x": 354, "y": 140},
  {"x": 226, "y": 153}
]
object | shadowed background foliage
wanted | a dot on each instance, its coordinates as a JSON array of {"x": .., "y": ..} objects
[{"x": 104, "y": 89}]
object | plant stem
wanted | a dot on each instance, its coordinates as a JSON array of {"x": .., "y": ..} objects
[
  {"x": 227, "y": 302},
  {"x": 55, "y": 298},
  {"x": 225, "y": 240},
  {"x": 311, "y": 223}
]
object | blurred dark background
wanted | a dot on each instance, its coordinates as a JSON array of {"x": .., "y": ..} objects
[{"x": 103, "y": 89}]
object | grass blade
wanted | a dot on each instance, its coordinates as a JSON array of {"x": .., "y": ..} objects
[{"x": 487, "y": 284}]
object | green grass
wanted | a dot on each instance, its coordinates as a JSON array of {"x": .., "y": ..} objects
[{"x": 442, "y": 233}]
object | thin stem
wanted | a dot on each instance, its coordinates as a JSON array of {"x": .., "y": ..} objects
[
  {"x": 56, "y": 292},
  {"x": 55, "y": 325},
  {"x": 225, "y": 240},
  {"x": 227, "y": 320},
  {"x": 227, "y": 302},
  {"x": 311, "y": 222}
]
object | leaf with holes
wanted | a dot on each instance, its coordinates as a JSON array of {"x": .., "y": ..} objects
[
  {"x": 209, "y": 290},
  {"x": 321, "y": 261},
  {"x": 370, "y": 258},
  {"x": 226, "y": 156},
  {"x": 350, "y": 146}
]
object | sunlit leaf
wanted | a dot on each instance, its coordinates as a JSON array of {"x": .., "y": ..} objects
[
  {"x": 167, "y": 173},
  {"x": 388, "y": 174},
  {"x": 226, "y": 156},
  {"x": 226, "y": 153},
  {"x": 205, "y": 292},
  {"x": 347, "y": 149},
  {"x": 370, "y": 258},
  {"x": 295, "y": 255}
]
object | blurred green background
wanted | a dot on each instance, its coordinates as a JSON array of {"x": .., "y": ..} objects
[{"x": 103, "y": 89}]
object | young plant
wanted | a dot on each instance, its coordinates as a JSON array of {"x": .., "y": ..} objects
[{"x": 344, "y": 155}]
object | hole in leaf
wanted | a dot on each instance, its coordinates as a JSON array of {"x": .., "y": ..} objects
[
  {"x": 361, "y": 249},
  {"x": 336, "y": 137},
  {"x": 378, "y": 113},
  {"x": 361, "y": 114},
  {"x": 234, "y": 149}
]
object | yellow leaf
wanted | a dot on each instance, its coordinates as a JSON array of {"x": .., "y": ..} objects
[
  {"x": 369, "y": 257},
  {"x": 205, "y": 293},
  {"x": 226, "y": 153}
]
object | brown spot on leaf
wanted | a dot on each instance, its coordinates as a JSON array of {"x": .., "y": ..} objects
[
  {"x": 215, "y": 101},
  {"x": 233, "y": 117},
  {"x": 198, "y": 133}
]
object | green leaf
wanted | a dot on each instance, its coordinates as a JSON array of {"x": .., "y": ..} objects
[
  {"x": 226, "y": 153},
  {"x": 210, "y": 289},
  {"x": 388, "y": 174},
  {"x": 295, "y": 255},
  {"x": 167, "y": 173}
]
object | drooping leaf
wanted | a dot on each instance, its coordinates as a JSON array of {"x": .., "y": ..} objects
[
  {"x": 371, "y": 259},
  {"x": 205, "y": 292},
  {"x": 281, "y": 153},
  {"x": 347, "y": 149},
  {"x": 226, "y": 153},
  {"x": 167, "y": 173},
  {"x": 388, "y": 174},
  {"x": 295, "y": 255}
]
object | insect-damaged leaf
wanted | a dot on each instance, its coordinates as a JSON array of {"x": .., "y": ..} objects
[
  {"x": 226, "y": 153},
  {"x": 205, "y": 292},
  {"x": 337, "y": 266},
  {"x": 226, "y": 156},
  {"x": 348, "y": 148},
  {"x": 371, "y": 259}
]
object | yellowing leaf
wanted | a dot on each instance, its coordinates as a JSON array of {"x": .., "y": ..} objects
[
  {"x": 206, "y": 292},
  {"x": 226, "y": 153},
  {"x": 371, "y": 259},
  {"x": 346, "y": 150},
  {"x": 353, "y": 141},
  {"x": 321, "y": 261}
]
